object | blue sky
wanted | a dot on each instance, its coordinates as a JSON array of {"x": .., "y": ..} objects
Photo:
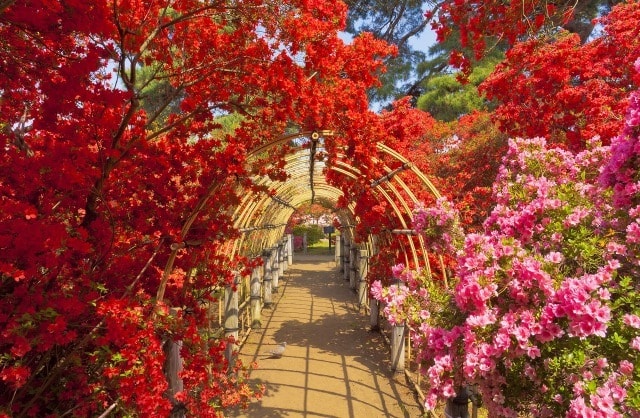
[
  {"x": 421, "y": 43},
  {"x": 424, "y": 41}
]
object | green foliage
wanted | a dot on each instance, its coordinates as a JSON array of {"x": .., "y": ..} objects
[
  {"x": 446, "y": 99},
  {"x": 400, "y": 22},
  {"x": 314, "y": 233},
  {"x": 158, "y": 97},
  {"x": 227, "y": 124},
  {"x": 397, "y": 22}
]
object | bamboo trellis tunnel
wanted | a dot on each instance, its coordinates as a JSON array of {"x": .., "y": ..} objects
[{"x": 263, "y": 212}]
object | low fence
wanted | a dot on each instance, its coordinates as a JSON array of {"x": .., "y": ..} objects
[{"x": 233, "y": 313}]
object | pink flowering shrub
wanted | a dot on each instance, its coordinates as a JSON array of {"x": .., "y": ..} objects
[
  {"x": 539, "y": 289},
  {"x": 439, "y": 225},
  {"x": 413, "y": 300},
  {"x": 545, "y": 315},
  {"x": 622, "y": 174},
  {"x": 424, "y": 305}
]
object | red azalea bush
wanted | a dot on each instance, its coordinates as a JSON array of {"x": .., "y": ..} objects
[
  {"x": 118, "y": 180},
  {"x": 567, "y": 91}
]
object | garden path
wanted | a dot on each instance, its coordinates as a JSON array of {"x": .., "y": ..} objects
[{"x": 333, "y": 365}]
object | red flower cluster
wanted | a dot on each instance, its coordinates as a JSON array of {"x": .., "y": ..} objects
[{"x": 119, "y": 169}]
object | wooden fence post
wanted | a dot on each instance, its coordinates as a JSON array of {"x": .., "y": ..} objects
[
  {"x": 354, "y": 265},
  {"x": 397, "y": 347},
  {"x": 281, "y": 259},
  {"x": 398, "y": 338},
  {"x": 285, "y": 255},
  {"x": 336, "y": 252},
  {"x": 458, "y": 406},
  {"x": 256, "y": 299},
  {"x": 342, "y": 244},
  {"x": 172, "y": 367},
  {"x": 289, "y": 249},
  {"x": 267, "y": 278},
  {"x": 363, "y": 269},
  {"x": 231, "y": 322},
  {"x": 275, "y": 269},
  {"x": 346, "y": 265}
]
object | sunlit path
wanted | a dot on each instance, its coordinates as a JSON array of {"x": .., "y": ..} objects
[{"x": 333, "y": 366}]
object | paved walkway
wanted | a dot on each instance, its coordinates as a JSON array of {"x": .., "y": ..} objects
[{"x": 333, "y": 366}]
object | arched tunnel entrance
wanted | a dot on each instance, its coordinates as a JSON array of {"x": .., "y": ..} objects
[
  {"x": 310, "y": 168},
  {"x": 311, "y": 173}
]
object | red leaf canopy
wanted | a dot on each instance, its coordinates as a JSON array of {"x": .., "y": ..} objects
[{"x": 114, "y": 164}]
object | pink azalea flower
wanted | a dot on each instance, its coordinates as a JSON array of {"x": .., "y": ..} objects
[
  {"x": 633, "y": 232},
  {"x": 376, "y": 289},
  {"x": 578, "y": 409},
  {"x": 397, "y": 270},
  {"x": 631, "y": 320},
  {"x": 626, "y": 367},
  {"x": 554, "y": 257}
]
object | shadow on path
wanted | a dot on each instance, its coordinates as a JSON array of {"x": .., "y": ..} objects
[{"x": 333, "y": 366}]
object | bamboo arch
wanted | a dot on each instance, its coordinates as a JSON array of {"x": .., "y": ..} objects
[{"x": 262, "y": 215}]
